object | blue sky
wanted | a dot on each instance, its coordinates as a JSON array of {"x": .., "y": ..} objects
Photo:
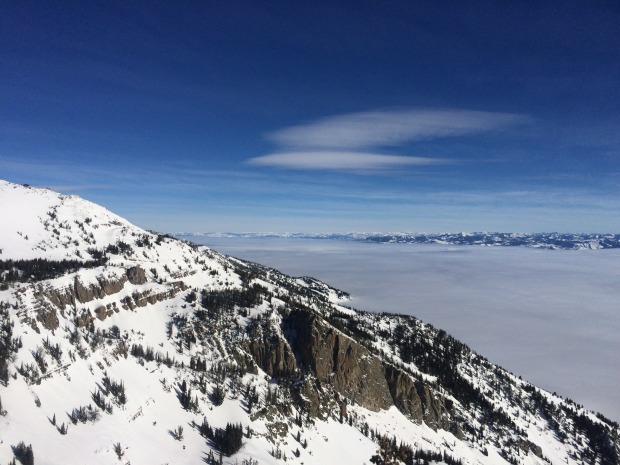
[{"x": 319, "y": 116}]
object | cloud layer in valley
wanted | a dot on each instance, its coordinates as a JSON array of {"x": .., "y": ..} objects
[{"x": 550, "y": 316}]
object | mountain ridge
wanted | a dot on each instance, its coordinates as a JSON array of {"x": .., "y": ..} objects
[
  {"x": 153, "y": 340},
  {"x": 552, "y": 240}
]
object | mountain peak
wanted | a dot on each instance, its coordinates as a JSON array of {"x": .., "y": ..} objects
[{"x": 45, "y": 224}]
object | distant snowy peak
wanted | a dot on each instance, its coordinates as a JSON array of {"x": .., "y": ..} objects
[
  {"x": 40, "y": 223},
  {"x": 559, "y": 241},
  {"x": 555, "y": 241}
]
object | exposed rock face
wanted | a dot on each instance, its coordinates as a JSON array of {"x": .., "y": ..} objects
[
  {"x": 84, "y": 319},
  {"x": 103, "y": 312},
  {"x": 536, "y": 449},
  {"x": 435, "y": 413},
  {"x": 48, "y": 317},
  {"x": 416, "y": 399},
  {"x": 404, "y": 393},
  {"x": 78, "y": 293},
  {"x": 136, "y": 275},
  {"x": 309, "y": 392},
  {"x": 337, "y": 360},
  {"x": 141, "y": 299},
  {"x": 245, "y": 361},
  {"x": 272, "y": 353},
  {"x": 528, "y": 446}
]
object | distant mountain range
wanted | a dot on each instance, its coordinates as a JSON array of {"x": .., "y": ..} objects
[{"x": 554, "y": 240}]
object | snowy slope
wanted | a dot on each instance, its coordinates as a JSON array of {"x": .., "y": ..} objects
[
  {"x": 151, "y": 334},
  {"x": 40, "y": 223}
]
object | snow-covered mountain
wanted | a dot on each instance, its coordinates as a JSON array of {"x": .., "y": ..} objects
[
  {"x": 120, "y": 345},
  {"x": 559, "y": 241}
]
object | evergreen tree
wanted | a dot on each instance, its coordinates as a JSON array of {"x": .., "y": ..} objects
[
  {"x": 228, "y": 440},
  {"x": 24, "y": 453}
]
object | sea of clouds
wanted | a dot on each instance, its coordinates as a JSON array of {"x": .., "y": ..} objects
[{"x": 551, "y": 316}]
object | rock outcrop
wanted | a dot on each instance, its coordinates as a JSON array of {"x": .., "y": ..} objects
[
  {"x": 416, "y": 399},
  {"x": 272, "y": 353},
  {"x": 79, "y": 293},
  {"x": 136, "y": 275},
  {"x": 142, "y": 299},
  {"x": 337, "y": 360}
]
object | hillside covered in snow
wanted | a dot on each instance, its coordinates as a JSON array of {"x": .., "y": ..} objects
[{"x": 120, "y": 345}]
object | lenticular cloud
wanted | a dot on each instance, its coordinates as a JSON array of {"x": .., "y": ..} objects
[
  {"x": 390, "y": 128},
  {"x": 350, "y": 142},
  {"x": 340, "y": 160}
]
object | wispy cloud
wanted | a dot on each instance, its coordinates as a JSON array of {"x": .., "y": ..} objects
[
  {"x": 390, "y": 128},
  {"x": 355, "y": 141},
  {"x": 335, "y": 160}
]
